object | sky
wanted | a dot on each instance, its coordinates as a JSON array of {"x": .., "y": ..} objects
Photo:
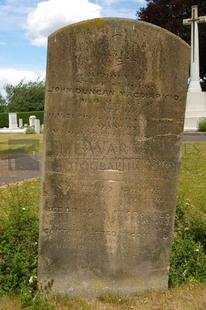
[{"x": 26, "y": 24}]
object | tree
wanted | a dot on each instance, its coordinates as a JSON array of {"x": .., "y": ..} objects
[
  {"x": 169, "y": 14},
  {"x": 3, "y": 106},
  {"x": 25, "y": 96}
]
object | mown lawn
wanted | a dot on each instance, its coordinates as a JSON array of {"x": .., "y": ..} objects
[
  {"x": 13, "y": 144},
  {"x": 192, "y": 184}
]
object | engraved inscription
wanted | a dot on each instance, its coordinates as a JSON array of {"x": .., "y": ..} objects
[
  {"x": 113, "y": 125},
  {"x": 104, "y": 92}
]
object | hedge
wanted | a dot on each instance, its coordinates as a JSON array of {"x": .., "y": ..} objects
[
  {"x": 4, "y": 120},
  {"x": 4, "y": 117},
  {"x": 25, "y": 116}
]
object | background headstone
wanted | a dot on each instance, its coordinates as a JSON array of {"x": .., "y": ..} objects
[
  {"x": 13, "y": 121},
  {"x": 32, "y": 120},
  {"x": 37, "y": 126},
  {"x": 20, "y": 122},
  {"x": 115, "y": 104}
]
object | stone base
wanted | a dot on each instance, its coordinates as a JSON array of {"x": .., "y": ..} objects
[
  {"x": 87, "y": 284},
  {"x": 14, "y": 131},
  {"x": 195, "y": 110}
]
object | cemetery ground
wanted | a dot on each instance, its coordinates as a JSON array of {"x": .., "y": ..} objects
[
  {"x": 19, "y": 212},
  {"x": 15, "y": 148}
]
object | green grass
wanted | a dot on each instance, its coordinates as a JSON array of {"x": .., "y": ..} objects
[
  {"x": 11, "y": 150},
  {"x": 192, "y": 184},
  {"x": 25, "y": 193},
  {"x": 188, "y": 259},
  {"x": 18, "y": 236}
]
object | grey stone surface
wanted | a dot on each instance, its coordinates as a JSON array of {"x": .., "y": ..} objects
[
  {"x": 32, "y": 120},
  {"x": 13, "y": 120},
  {"x": 37, "y": 126},
  {"x": 12, "y": 131},
  {"x": 20, "y": 122},
  {"x": 115, "y": 104}
]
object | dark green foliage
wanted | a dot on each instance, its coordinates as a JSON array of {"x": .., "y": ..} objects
[
  {"x": 188, "y": 260},
  {"x": 4, "y": 120},
  {"x": 30, "y": 130},
  {"x": 169, "y": 14},
  {"x": 35, "y": 301},
  {"x": 18, "y": 243},
  {"x": 3, "y": 106},
  {"x": 39, "y": 303},
  {"x": 25, "y": 116},
  {"x": 202, "y": 126},
  {"x": 198, "y": 231},
  {"x": 4, "y": 117},
  {"x": 25, "y": 96}
]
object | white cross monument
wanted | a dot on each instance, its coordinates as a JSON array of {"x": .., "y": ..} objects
[{"x": 196, "y": 99}]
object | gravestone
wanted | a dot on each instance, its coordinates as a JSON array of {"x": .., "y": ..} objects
[
  {"x": 37, "y": 126},
  {"x": 13, "y": 121},
  {"x": 115, "y": 104},
  {"x": 20, "y": 122},
  {"x": 32, "y": 120}
]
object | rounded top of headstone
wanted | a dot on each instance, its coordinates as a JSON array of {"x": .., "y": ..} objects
[{"x": 130, "y": 24}]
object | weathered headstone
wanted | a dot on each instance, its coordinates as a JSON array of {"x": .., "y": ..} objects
[
  {"x": 13, "y": 121},
  {"x": 37, "y": 126},
  {"x": 32, "y": 120},
  {"x": 20, "y": 122},
  {"x": 115, "y": 103}
]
